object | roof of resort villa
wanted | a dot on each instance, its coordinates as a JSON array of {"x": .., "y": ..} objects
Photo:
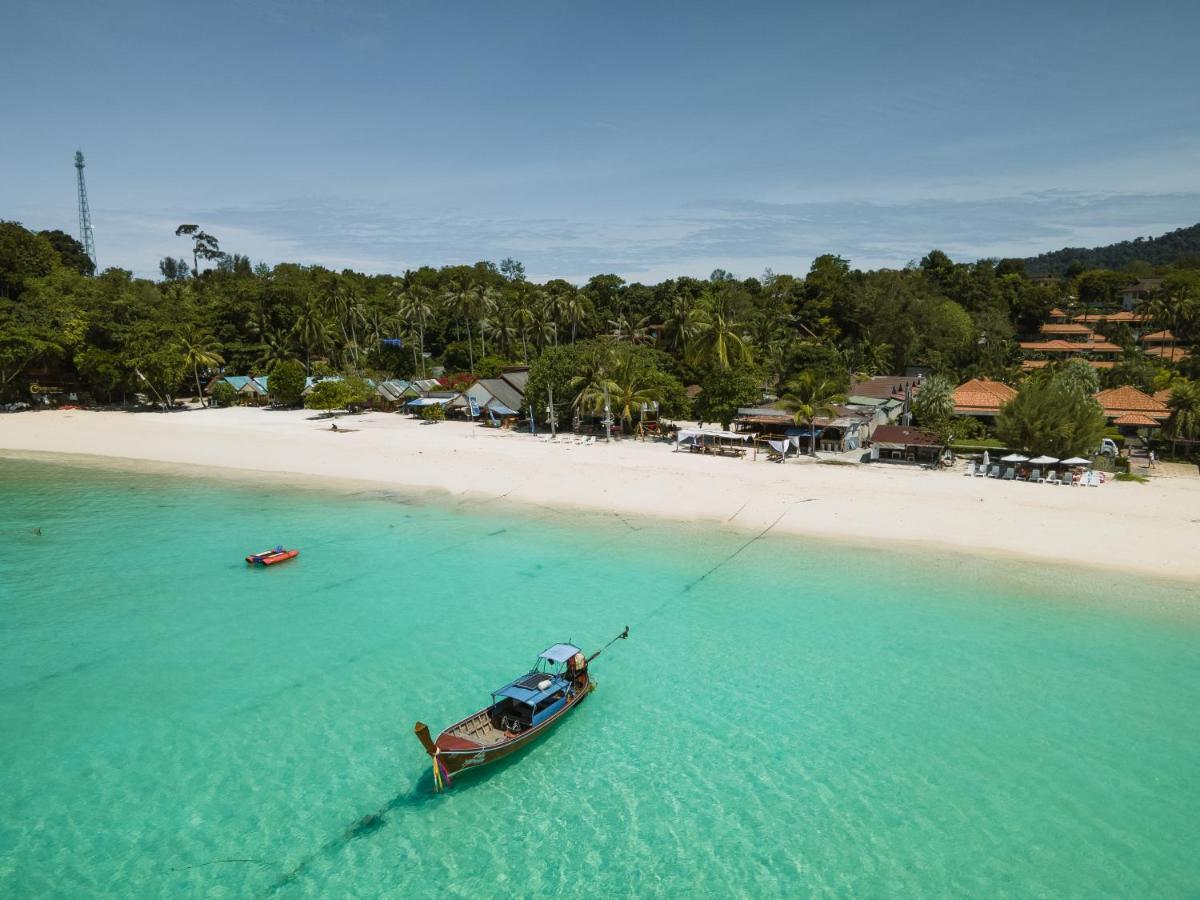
[
  {"x": 1159, "y": 337},
  {"x": 904, "y": 436},
  {"x": 1126, "y": 401},
  {"x": 1170, "y": 354},
  {"x": 1065, "y": 328},
  {"x": 980, "y": 396},
  {"x": 884, "y": 387},
  {"x": 1061, "y": 346},
  {"x": 1028, "y": 364},
  {"x": 1123, "y": 315}
]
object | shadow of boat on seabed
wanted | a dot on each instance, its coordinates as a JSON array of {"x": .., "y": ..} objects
[{"x": 421, "y": 795}]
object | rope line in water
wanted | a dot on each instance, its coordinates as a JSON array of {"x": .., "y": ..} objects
[{"x": 691, "y": 584}]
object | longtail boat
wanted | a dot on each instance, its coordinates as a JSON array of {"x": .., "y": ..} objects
[{"x": 520, "y": 712}]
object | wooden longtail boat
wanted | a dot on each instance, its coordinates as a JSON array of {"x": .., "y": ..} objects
[{"x": 522, "y": 711}]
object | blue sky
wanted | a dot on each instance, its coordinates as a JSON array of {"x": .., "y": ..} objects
[{"x": 649, "y": 139}]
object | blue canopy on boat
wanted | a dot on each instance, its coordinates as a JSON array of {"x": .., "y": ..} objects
[
  {"x": 559, "y": 653},
  {"x": 532, "y": 696}
]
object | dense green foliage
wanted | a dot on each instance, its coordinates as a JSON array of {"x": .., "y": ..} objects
[
  {"x": 742, "y": 341},
  {"x": 1054, "y": 413},
  {"x": 287, "y": 383},
  {"x": 1181, "y": 246}
]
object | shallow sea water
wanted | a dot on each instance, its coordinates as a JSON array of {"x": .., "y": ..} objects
[{"x": 806, "y": 719}]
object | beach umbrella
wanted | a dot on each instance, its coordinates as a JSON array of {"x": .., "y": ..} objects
[
  {"x": 1076, "y": 461},
  {"x": 1044, "y": 460},
  {"x": 986, "y": 459},
  {"x": 1014, "y": 457}
]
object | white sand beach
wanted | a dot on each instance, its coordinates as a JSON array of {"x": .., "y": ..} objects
[{"x": 1149, "y": 528}]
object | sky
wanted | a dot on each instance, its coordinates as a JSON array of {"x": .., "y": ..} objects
[{"x": 647, "y": 139}]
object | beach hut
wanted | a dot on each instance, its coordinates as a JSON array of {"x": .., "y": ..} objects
[{"x": 905, "y": 444}]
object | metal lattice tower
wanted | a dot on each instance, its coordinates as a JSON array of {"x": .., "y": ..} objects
[{"x": 85, "y": 214}]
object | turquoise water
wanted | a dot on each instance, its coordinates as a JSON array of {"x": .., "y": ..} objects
[{"x": 808, "y": 719}]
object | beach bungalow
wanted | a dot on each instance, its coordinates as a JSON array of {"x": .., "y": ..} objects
[
  {"x": 251, "y": 389},
  {"x": 1164, "y": 346},
  {"x": 981, "y": 398},
  {"x": 1130, "y": 409},
  {"x": 905, "y": 444},
  {"x": 394, "y": 393}
]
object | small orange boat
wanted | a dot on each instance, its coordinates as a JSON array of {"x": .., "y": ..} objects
[{"x": 270, "y": 557}]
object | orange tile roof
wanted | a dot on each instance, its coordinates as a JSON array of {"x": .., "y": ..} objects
[
  {"x": 981, "y": 395},
  {"x": 1164, "y": 396},
  {"x": 1061, "y": 346},
  {"x": 1042, "y": 363},
  {"x": 1170, "y": 354},
  {"x": 1139, "y": 419},
  {"x": 1122, "y": 316},
  {"x": 1121, "y": 400},
  {"x": 1066, "y": 328},
  {"x": 1158, "y": 337},
  {"x": 1057, "y": 313}
]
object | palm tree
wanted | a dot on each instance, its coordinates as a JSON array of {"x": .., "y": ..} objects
[
  {"x": 809, "y": 398},
  {"x": 934, "y": 403},
  {"x": 719, "y": 337},
  {"x": 311, "y": 331},
  {"x": 523, "y": 315},
  {"x": 628, "y": 326},
  {"x": 682, "y": 323},
  {"x": 1184, "y": 422},
  {"x": 415, "y": 307},
  {"x": 574, "y": 308},
  {"x": 462, "y": 300},
  {"x": 593, "y": 378},
  {"x": 201, "y": 350},
  {"x": 486, "y": 307},
  {"x": 630, "y": 389},
  {"x": 277, "y": 348}
]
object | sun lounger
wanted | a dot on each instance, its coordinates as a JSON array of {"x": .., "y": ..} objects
[
  {"x": 1093, "y": 479},
  {"x": 1052, "y": 478},
  {"x": 591, "y": 440},
  {"x": 981, "y": 471},
  {"x": 970, "y": 470},
  {"x": 1035, "y": 476},
  {"x": 994, "y": 473},
  {"x": 1010, "y": 474}
]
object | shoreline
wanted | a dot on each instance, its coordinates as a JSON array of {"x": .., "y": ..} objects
[{"x": 1149, "y": 529}]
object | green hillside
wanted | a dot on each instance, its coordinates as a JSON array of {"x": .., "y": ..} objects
[{"x": 1169, "y": 249}]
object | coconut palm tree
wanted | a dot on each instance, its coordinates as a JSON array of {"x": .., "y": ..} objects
[
  {"x": 462, "y": 300},
  {"x": 1184, "y": 422},
  {"x": 311, "y": 331},
  {"x": 628, "y": 326},
  {"x": 277, "y": 348},
  {"x": 682, "y": 324},
  {"x": 486, "y": 307},
  {"x": 593, "y": 379},
  {"x": 809, "y": 398},
  {"x": 201, "y": 351},
  {"x": 630, "y": 389},
  {"x": 415, "y": 308},
  {"x": 574, "y": 308},
  {"x": 719, "y": 340}
]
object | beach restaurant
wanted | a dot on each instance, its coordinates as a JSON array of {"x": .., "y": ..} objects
[
  {"x": 905, "y": 444},
  {"x": 714, "y": 442}
]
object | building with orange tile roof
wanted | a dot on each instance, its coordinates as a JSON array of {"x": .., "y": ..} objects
[
  {"x": 981, "y": 397},
  {"x": 1068, "y": 330},
  {"x": 1168, "y": 354},
  {"x": 1122, "y": 401}
]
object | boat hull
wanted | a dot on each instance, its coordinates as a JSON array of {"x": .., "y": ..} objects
[
  {"x": 458, "y": 755},
  {"x": 270, "y": 558}
]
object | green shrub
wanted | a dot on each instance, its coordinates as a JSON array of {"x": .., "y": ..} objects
[
  {"x": 1128, "y": 476},
  {"x": 223, "y": 394},
  {"x": 287, "y": 383},
  {"x": 434, "y": 413}
]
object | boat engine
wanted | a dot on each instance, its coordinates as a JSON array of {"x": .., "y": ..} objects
[{"x": 576, "y": 666}]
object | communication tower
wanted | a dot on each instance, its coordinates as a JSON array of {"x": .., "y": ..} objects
[{"x": 85, "y": 214}]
